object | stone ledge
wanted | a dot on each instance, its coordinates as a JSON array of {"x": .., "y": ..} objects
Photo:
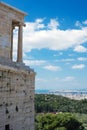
[
  {"x": 18, "y": 65},
  {"x": 17, "y": 70}
]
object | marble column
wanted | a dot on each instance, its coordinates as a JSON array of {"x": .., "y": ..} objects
[
  {"x": 11, "y": 55},
  {"x": 20, "y": 35}
]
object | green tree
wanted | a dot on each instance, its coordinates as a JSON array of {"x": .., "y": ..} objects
[
  {"x": 55, "y": 103},
  {"x": 61, "y": 121}
]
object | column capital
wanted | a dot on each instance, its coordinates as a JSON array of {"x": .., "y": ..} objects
[
  {"x": 13, "y": 27},
  {"x": 22, "y": 24}
]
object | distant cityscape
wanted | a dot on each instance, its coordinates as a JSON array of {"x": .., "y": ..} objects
[{"x": 72, "y": 94}]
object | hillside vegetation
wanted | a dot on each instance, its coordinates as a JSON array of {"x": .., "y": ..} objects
[
  {"x": 60, "y": 121},
  {"x": 53, "y": 103}
]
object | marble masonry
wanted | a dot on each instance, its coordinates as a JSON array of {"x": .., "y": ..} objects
[{"x": 17, "y": 81}]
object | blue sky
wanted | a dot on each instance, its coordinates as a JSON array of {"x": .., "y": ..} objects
[{"x": 55, "y": 42}]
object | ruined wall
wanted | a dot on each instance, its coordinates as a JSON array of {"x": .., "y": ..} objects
[{"x": 16, "y": 99}]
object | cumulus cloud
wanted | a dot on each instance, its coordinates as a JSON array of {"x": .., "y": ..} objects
[
  {"x": 80, "y": 49},
  {"x": 52, "y": 68},
  {"x": 78, "y": 66},
  {"x": 53, "y": 24},
  {"x": 38, "y": 35},
  {"x": 54, "y": 39}
]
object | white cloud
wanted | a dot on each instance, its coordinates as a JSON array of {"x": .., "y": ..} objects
[
  {"x": 37, "y": 35},
  {"x": 40, "y": 20},
  {"x": 78, "y": 24},
  {"x": 85, "y": 22},
  {"x": 28, "y": 57},
  {"x": 68, "y": 78},
  {"x": 52, "y": 39},
  {"x": 52, "y": 68},
  {"x": 82, "y": 59},
  {"x": 80, "y": 49},
  {"x": 65, "y": 79},
  {"x": 79, "y": 66},
  {"x": 68, "y": 60},
  {"x": 34, "y": 62},
  {"x": 41, "y": 80},
  {"x": 34, "y": 26},
  {"x": 53, "y": 24}
]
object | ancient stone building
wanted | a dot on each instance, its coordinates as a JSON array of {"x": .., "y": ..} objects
[{"x": 17, "y": 81}]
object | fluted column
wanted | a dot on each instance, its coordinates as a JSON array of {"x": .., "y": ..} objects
[{"x": 20, "y": 35}]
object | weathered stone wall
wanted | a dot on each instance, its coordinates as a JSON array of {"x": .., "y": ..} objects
[
  {"x": 17, "y": 81},
  {"x": 16, "y": 98}
]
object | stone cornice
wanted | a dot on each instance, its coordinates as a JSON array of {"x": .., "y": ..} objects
[{"x": 13, "y": 8}]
